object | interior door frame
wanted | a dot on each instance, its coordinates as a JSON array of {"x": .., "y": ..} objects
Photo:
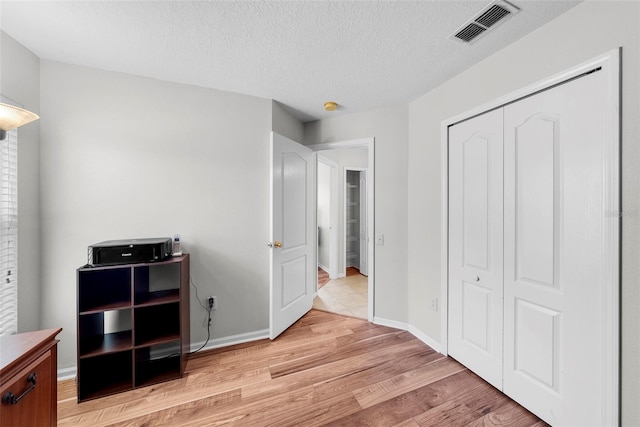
[
  {"x": 344, "y": 211},
  {"x": 333, "y": 216},
  {"x": 369, "y": 143},
  {"x": 609, "y": 63}
]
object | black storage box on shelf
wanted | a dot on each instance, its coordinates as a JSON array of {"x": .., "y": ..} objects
[{"x": 113, "y": 252}]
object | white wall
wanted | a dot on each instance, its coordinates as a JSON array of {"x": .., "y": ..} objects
[
  {"x": 20, "y": 81},
  {"x": 389, "y": 128},
  {"x": 585, "y": 31},
  {"x": 285, "y": 124},
  {"x": 126, "y": 157}
]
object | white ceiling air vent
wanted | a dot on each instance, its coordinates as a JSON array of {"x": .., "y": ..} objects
[{"x": 488, "y": 18}]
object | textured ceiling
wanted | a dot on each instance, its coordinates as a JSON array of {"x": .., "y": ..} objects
[{"x": 364, "y": 55}]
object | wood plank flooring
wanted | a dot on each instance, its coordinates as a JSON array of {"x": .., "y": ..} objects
[
  {"x": 323, "y": 277},
  {"x": 326, "y": 369}
]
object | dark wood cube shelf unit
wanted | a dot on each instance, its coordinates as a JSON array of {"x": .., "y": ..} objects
[{"x": 134, "y": 319}]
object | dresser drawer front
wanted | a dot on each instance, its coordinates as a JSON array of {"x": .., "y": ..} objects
[{"x": 34, "y": 407}]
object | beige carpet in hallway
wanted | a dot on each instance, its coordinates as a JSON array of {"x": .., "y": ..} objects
[{"x": 347, "y": 296}]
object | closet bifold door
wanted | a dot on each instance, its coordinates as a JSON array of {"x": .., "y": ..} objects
[
  {"x": 476, "y": 245},
  {"x": 554, "y": 253}
]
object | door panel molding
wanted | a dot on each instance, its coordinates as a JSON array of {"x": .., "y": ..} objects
[
  {"x": 536, "y": 176},
  {"x": 535, "y": 327},
  {"x": 475, "y": 181}
]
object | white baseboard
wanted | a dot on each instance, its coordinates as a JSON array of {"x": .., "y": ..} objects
[
  {"x": 425, "y": 338},
  {"x": 72, "y": 372},
  {"x": 67, "y": 373},
  {"x": 411, "y": 329},
  {"x": 391, "y": 323},
  {"x": 232, "y": 340}
]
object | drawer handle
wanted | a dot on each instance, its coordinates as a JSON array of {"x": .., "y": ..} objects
[{"x": 11, "y": 399}]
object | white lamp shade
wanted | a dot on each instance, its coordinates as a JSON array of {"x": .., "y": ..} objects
[{"x": 12, "y": 117}]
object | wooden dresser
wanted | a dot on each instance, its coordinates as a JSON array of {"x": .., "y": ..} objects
[{"x": 28, "y": 379}]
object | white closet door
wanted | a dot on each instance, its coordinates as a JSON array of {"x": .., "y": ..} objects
[
  {"x": 475, "y": 249},
  {"x": 554, "y": 252}
]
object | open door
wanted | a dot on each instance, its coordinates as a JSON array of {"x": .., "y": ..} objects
[{"x": 292, "y": 260}]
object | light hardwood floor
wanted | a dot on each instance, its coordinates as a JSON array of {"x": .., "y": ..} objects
[{"x": 326, "y": 369}]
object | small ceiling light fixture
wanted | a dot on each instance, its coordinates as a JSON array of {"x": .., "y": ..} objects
[
  {"x": 330, "y": 106},
  {"x": 12, "y": 117}
]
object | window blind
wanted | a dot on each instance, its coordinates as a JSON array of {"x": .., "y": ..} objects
[{"x": 9, "y": 234}]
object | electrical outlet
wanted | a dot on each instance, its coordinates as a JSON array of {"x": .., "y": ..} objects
[
  {"x": 212, "y": 303},
  {"x": 434, "y": 304}
]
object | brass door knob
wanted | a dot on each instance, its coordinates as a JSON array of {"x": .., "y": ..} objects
[{"x": 276, "y": 244}]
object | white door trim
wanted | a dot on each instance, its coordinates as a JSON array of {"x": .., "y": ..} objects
[
  {"x": 369, "y": 143},
  {"x": 344, "y": 213},
  {"x": 334, "y": 218},
  {"x": 610, "y": 65}
]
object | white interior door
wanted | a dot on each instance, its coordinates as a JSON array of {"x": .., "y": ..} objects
[
  {"x": 363, "y": 223},
  {"x": 293, "y": 271},
  {"x": 475, "y": 248},
  {"x": 554, "y": 269}
]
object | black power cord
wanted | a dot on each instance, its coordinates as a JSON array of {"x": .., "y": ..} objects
[{"x": 207, "y": 320}]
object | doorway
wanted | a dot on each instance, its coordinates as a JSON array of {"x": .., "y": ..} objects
[
  {"x": 355, "y": 219},
  {"x": 344, "y": 227}
]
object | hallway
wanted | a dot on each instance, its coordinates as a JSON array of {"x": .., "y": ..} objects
[{"x": 346, "y": 296}]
